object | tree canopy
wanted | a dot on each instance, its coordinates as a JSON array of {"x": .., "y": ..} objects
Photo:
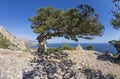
[
  {"x": 115, "y": 21},
  {"x": 73, "y": 23},
  {"x": 116, "y": 44}
]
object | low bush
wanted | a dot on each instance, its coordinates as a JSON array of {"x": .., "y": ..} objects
[
  {"x": 4, "y": 43},
  {"x": 106, "y": 51},
  {"x": 67, "y": 47},
  {"x": 60, "y": 48},
  {"x": 89, "y": 48},
  {"x": 114, "y": 54}
]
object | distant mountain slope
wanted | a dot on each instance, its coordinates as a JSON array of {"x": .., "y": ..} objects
[{"x": 16, "y": 43}]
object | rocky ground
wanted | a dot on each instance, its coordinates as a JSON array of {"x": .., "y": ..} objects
[
  {"x": 57, "y": 65},
  {"x": 13, "y": 63}
]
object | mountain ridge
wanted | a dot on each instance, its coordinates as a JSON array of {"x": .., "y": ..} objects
[{"x": 16, "y": 43}]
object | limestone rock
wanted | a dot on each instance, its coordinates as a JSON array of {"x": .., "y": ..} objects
[
  {"x": 79, "y": 48},
  {"x": 21, "y": 65}
]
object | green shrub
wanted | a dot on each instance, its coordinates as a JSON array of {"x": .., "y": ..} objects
[
  {"x": 60, "y": 48},
  {"x": 115, "y": 55},
  {"x": 106, "y": 51},
  {"x": 89, "y": 48},
  {"x": 116, "y": 44},
  {"x": 67, "y": 47},
  {"x": 53, "y": 49},
  {"x": 4, "y": 43}
]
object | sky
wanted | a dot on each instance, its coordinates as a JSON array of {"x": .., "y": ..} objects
[{"x": 14, "y": 16}]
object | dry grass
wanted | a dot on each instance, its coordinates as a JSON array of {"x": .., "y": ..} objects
[{"x": 4, "y": 53}]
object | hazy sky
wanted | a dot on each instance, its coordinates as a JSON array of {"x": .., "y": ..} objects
[{"x": 14, "y": 16}]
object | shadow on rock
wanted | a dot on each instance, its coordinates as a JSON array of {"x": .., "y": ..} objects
[
  {"x": 56, "y": 65},
  {"x": 105, "y": 57},
  {"x": 95, "y": 74},
  {"x": 50, "y": 65}
]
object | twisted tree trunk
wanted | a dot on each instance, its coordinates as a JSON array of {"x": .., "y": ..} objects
[
  {"x": 42, "y": 42},
  {"x": 42, "y": 47}
]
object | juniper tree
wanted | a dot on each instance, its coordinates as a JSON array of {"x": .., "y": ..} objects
[
  {"x": 115, "y": 21},
  {"x": 73, "y": 23},
  {"x": 116, "y": 44}
]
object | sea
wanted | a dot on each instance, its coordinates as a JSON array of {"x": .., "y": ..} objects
[{"x": 100, "y": 47}]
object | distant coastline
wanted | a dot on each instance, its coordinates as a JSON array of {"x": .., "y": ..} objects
[{"x": 100, "y": 47}]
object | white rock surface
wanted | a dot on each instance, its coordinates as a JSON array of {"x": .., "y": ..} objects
[
  {"x": 79, "y": 48},
  {"x": 87, "y": 65},
  {"x": 12, "y": 63}
]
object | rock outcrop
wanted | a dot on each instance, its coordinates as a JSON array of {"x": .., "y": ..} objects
[
  {"x": 79, "y": 48},
  {"x": 15, "y": 43},
  {"x": 57, "y": 65},
  {"x": 73, "y": 65},
  {"x": 12, "y": 63}
]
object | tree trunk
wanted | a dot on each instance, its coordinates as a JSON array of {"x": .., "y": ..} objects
[{"x": 42, "y": 47}]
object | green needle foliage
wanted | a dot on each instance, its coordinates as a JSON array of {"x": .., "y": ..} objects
[
  {"x": 74, "y": 23},
  {"x": 116, "y": 44},
  {"x": 115, "y": 21},
  {"x": 4, "y": 43}
]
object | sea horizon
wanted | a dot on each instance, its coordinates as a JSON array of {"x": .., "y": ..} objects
[
  {"x": 100, "y": 47},
  {"x": 74, "y": 42}
]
